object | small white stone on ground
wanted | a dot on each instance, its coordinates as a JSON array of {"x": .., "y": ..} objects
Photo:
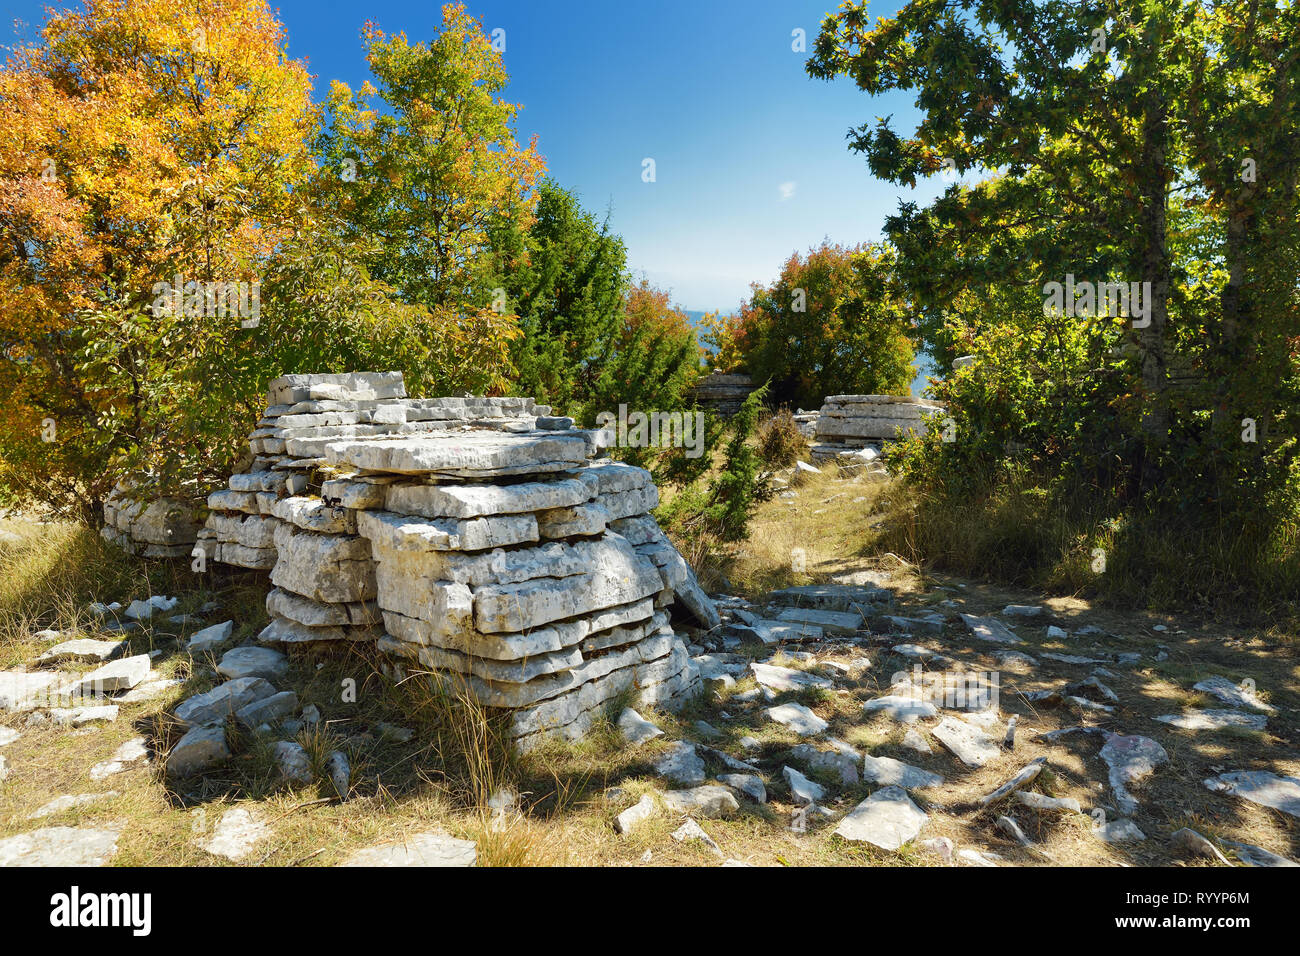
[
  {"x": 293, "y": 762},
  {"x": 903, "y": 709},
  {"x": 132, "y": 753},
  {"x": 84, "y": 649},
  {"x": 237, "y": 832},
  {"x": 69, "y": 802},
  {"x": 635, "y": 728},
  {"x": 887, "y": 770},
  {"x": 210, "y": 638},
  {"x": 747, "y": 783},
  {"x": 1262, "y": 787},
  {"x": 201, "y": 748},
  {"x": 681, "y": 763},
  {"x": 886, "y": 819},
  {"x": 969, "y": 744},
  {"x": 638, "y": 813},
  {"x": 798, "y": 718},
  {"x": 803, "y": 789},
  {"x": 1119, "y": 831},
  {"x": 425, "y": 849},
  {"x": 59, "y": 846},
  {"x": 707, "y": 801},
  {"x": 261, "y": 662},
  {"x": 1131, "y": 760},
  {"x": 690, "y": 830}
]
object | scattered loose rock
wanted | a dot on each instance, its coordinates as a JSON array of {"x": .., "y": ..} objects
[
  {"x": 749, "y": 784},
  {"x": 253, "y": 662},
  {"x": 707, "y": 801},
  {"x": 424, "y": 849},
  {"x": 59, "y": 846},
  {"x": 1262, "y": 787},
  {"x": 886, "y": 819},
  {"x": 682, "y": 764},
  {"x": 635, "y": 728},
  {"x": 798, "y": 718},
  {"x": 887, "y": 770},
  {"x": 636, "y": 814},
  {"x": 237, "y": 832},
  {"x": 969, "y": 744},
  {"x": 803, "y": 789},
  {"x": 69, "y": 802},
  {"x": 1131, "y": 760},
  {"x": 135, "y": 751},
  {"x": 200, "y": 749}
]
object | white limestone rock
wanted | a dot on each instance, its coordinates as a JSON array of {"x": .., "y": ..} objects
[
  {"x": 268, "y": 710},
  {"x": 133, "y": 753},
  {"x": 707, "y": 801},
  {"x": 332, "y": 569},
  {"x": 969, "y": 744},
  {"x": 638, "y": 813},
  {"x": 253, "y": 662},
  {"x": 466, "y": 454},
  {"x": 118, "y": 675},
  {"x": 59, "y": 846},
  {"x": 751, "y": 785},
  {"x": 293, "y": 761},
  {"x": 482, "y": 500},
  {"x": 1131, "y": 760},
  {"x": 1234, "y": 695},
  {"x": 70, "y": 802},
  {"x": 210, "y": 638},
  {"x": 901, "y": 708},
  {"x": 1261, "y": 787},
  {"x": 635, "y": 728},
  {"x": 202, "y": 748},
  {"x": 887, "y": 819},
  {"x": 83, "y": 649},
  {"x": 990, "y": 629},
  {"x": 681, "y": 764},
  {"x": 223, "y": 700},
  {"x": 236, "y": 835},
  {"x": 798, "y": 718},
  {"x": 424, "y": 849},
  {"x": 888, "y": 771},
  {"x": 786, "y": 678},
  {"x": 801, "y": 788},
  {"x": 403, "y": 533}
]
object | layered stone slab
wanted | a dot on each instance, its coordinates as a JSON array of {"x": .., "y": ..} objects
[
  {"x": 471, "y": 454},
  {"x": 332, "y": 569}
]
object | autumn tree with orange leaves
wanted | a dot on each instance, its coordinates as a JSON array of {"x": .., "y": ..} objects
[{"x": 141, "y": 141}]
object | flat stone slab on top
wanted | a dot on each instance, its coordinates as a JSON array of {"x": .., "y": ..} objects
[{"x": 469, "y": 454}]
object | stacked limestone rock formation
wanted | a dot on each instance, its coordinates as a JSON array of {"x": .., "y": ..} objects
[
  {"x": 490, "y": 551},
  {"x": 151, "y": 528},
  {"x": 517, "y": 569},
  {"x": 303, "y": 414},
  {"x": 848, "y": 423}
]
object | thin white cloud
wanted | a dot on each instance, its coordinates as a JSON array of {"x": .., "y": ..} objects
[{"x": 787, "y": 190}]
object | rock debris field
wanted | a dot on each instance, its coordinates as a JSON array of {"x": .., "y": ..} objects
[{"x": 877, "y": 718}]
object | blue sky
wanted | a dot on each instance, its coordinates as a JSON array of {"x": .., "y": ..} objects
[{"x": 750, "y": 152}]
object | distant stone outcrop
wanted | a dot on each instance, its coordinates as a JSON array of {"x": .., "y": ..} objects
[
  {"x": 848, "y": 423},
  {"x": 723, "y": 392}
]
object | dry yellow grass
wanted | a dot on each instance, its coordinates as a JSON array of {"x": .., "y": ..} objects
[{"x": 569, "y": 795}]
